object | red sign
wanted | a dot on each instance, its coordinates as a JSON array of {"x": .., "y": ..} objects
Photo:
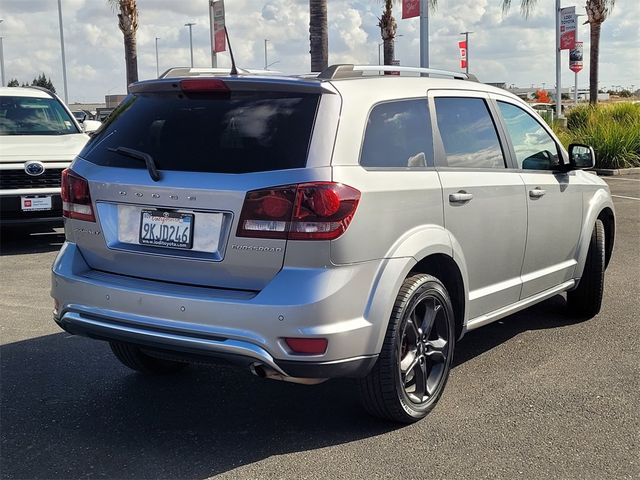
[
  {"x": 410, "y": 8},
  {"x": 568, "y": 23},
  {"x": 462, "y": 46},
  {"x": 575, "y": 58},
  {"x": 217, "y": 14}
]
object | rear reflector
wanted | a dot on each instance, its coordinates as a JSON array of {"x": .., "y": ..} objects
[
  {"x": 307, "y": 211},
  {"x": 76, "y": 200},
  {"x": 203, "y": 85},
  {"x": 308, "y": 346}
]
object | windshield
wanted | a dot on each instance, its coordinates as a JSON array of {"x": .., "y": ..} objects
[
  {"x": 34, "y": 116},
  {"x": 240, "y": 132}
]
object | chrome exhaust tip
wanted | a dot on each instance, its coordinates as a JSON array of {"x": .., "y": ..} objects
[{"x": 263, "y": 371}]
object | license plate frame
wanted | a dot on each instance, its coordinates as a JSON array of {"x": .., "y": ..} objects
[
  {"x": 36, "y": 203},
  {"x": 166, "y": 237}
]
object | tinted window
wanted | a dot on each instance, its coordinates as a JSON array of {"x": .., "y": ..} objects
[
  {"x": 34, "y": 116},
  {"x": 398, "y": 135},
  {"x": 239, "y": 132},
  {"x": 535, "y": 149},
  {"x": 468, "y": 133}
]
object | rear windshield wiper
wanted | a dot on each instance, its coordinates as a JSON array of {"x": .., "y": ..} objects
[{"x": 138, "y": 155}]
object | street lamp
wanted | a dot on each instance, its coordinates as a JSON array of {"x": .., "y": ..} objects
[
  {"x": 157, "y": 63},
  {"x": 2, "y": 58},
  {"x": 190, "y": 25},
  {"x": 64, "y": 62}
]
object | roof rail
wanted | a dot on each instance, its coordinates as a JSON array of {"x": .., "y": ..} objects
[
  {"x": 42, "y": 89},
  {"x": 175, "y": 72},
  {"x": 350, "y": 71}
]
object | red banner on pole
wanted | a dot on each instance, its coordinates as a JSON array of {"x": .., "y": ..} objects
[
  {"x": 575, "y": 58},
  {"x": 217, "y": 13},
  {"x": 410, "y": 8},
  {"x": 462, "y": 46},
  {"x": 568, "y": 25}
]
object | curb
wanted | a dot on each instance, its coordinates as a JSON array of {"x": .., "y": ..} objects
[{"x": 608, "y": 172}]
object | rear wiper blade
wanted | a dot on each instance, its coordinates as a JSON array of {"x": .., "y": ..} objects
[{"x": 138, "y": 155}]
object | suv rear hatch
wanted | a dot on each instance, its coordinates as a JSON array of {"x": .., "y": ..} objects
[{"x": 212, "y": 141}]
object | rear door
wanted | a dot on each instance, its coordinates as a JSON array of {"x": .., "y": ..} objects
[
  {"x": 484, "y": 201},
  {"x": 554, "y": 201},
  {"x": 210, "y": 149}
]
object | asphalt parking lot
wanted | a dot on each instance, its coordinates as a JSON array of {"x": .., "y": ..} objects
[{"x": 532, "y": 396}]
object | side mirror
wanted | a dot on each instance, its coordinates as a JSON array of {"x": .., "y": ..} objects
[
  {"x": 90, "y": 126},
  {"x": 581, "y": 156}
]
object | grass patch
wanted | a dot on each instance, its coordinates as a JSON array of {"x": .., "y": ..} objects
[{"x": 613, "y": 130}]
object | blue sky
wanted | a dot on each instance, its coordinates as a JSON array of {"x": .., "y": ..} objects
[{"x": 506, "y": 48}]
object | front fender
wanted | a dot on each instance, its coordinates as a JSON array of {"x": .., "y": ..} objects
[{"x": 593, "y": 206}]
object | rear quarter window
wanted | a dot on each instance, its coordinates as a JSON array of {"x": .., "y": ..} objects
[
  {"x": 240, "y": 132},
  {"x": 398, "y": 135}
]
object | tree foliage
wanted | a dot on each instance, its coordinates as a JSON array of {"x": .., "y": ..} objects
[
  {"x": 13, "y": 83},
  {"x": 43, "y": 81}
]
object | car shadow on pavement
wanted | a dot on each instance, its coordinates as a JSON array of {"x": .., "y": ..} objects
[
  {"x": 32, "y": 239},
  {"x": 70, "y": 410}
]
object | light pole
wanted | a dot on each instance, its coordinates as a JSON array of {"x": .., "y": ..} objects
[
  {"x": 190, "y": 25},
  {"x": 424, "y": 33},
  {"x": 2, "y": 58},
  {"x": 379, "y": 56},
  {"x": 466, "y": 44},
  {"x": 64, "y": 62},
  {"x": 266, "y": 63},
  {"x": 157, "y": 63}
]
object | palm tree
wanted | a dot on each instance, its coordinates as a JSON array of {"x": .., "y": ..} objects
[
  {"x": 597, "y": 12},
  {"x": 318, "y": 35},
  {"x": 388, "y": 29},
  {"x": 128, "y": 23}
]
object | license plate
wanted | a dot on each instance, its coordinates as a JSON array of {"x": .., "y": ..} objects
[
  {"x": 35, "y": 203},
  {"x": 166, "y": 229}
]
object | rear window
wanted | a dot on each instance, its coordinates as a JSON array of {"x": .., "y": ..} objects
[
  {"x": 240, "y": 132},
  {"x": 34, "y": 116}
]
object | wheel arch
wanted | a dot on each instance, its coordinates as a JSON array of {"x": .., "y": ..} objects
[
  {"x": 445, "y": 269},
  {"x": 598, "y": 207},
  {"x": 608, "y": 220}
]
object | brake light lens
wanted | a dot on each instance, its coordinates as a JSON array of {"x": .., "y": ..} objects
[
  {"x": 308, "y": 346},
  {"x": 203, "y": 85},
  {"x": 76, "y": 200},
  {"x": 307, "y": 211}
]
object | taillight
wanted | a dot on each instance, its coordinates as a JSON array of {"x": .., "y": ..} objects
[
  {"x": 76, "y": 201},
  {"x": 307, "y": 211}
]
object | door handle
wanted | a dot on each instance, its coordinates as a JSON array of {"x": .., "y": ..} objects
[
  {"x": 460, "y": 197},
  {"x": 537, "y": 192}
]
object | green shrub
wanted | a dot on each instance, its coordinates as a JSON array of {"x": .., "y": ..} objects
[{"x": 613, "y": 130}]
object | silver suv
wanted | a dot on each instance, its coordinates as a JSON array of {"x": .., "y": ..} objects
[{"x": 352, "y": 224}]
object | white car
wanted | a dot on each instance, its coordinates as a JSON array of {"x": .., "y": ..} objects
[{"x": 40, "y": 138}]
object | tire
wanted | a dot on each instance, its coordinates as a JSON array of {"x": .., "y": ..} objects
[
  {"x": 386, "y": 392},
  {"x": 134, "y": 358},
  {"x": 585, "y": 301}
]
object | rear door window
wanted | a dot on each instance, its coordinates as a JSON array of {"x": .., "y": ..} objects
[
  {"x": 240, "y": 132},
  {"x": 398, "y": 135},
  {"x": 468, "y": 133}
]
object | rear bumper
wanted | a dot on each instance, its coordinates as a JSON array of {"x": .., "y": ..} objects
[{"x": 245, "y": 328}]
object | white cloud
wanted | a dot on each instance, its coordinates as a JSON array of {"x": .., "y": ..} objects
[{"x": 505, "y": 48}]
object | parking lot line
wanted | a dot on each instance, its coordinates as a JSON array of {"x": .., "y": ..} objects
[
  {"x": 628, "y": 198},
  {"x": 626, "y": 179}
]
